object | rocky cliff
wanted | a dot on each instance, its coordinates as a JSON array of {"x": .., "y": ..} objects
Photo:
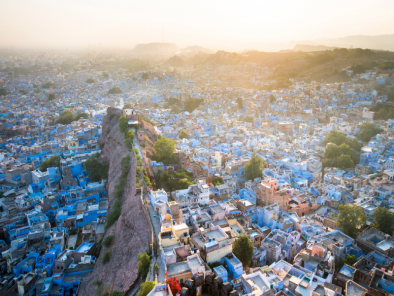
[{"x": 131, "y": 231}]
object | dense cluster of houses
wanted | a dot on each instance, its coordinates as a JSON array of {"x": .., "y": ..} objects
[
  {"x": 288, "y": 213},
  {"x": 41, "y": 211}
]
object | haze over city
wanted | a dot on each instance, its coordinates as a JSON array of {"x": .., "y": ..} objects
[
  {"x": 196, "y": 148},
  {"x": 229, "y": 25}
]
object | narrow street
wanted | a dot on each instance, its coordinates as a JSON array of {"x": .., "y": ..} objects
[{"x": 156, "y": 231}]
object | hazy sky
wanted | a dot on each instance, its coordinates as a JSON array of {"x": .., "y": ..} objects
[{"x": 217, "y": 24}]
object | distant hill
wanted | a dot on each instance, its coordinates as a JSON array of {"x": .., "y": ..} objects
[
  {"x": 383, "y": 42},
  {"x": 311, "y": 48},
  {"x": 198, "y": 58},
  {"x": 156, "y": 48},
  {"x": 175, "y": 61},
  {"x": 193, "y": 50},
  {"x": 182, "y": 60},
  {"x": 322, "y": 66}
]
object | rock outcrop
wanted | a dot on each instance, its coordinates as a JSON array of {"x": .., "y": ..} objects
[{"x": 131, "y": 231}]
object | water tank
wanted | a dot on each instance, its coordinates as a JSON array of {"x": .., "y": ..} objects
[{"x": 210, "y": 239}]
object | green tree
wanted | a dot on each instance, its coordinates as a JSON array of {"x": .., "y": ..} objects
[
  {"x": 115, "y": 90},
  {"x": 175, "y": 109},
  {"x": 240, "y": 103},
  {"x": 349, "y": 260},
  {"x": 143, "y": 264},
  {"x": 183, "y": 184},
  {"x": 96, "y": 169},
  {"x": 243, "y": 249},
  {"x": 318, "y": 87},
  {"x": 90, "y": 80},
  {"x": 82, "y": 115},
  {"x": 342, "y": 162},
  {"x": 127, "y": 106},
  {"x": 165, "y": 149},
  {"x": 51, "y": 97},
  {"x": 48, "y": 85},
  {"x": 353, "y": 143},
  {"x": 66, "y": 117},
  {"x": 350, "y": 219},
  {"x": 368, "y": 130},
  {"x": 331, "y": 151},
  {"x": 336, "y": 137},
  {"x": 123, "y": 123},
  {"x": 145, "y": 76},
  {"x": 272, "y": 98},
  {"x": 183, "y": 135},
  {"x": 383, "y": 220},
  {"x": 383, "y": 111},
  {"x": 129, "y": 135},
  {"x": 105, "y": 75},
  {"x": 344, "y": 149},
  {"x": 254, "y": 167},
  {"x": 191, "y": 104},
  {"x": 145, "y": 288},
  {"x": 217, "y": 181},
  {"x": 3, "y": 92},
  {"x": 159, "y": 178},
  {"x": 54, "y": 161},
  {"x": 337, "y": 145}
]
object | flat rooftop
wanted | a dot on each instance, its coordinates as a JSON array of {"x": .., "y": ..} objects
[
  {"x": 352, "y": 289},
  {"x": 195, "y": 263},
  {"x": 177, "y": 268},
  {"x": 220, "y": 222},
  {"x": 233, "y": 261},
  {"x": 347, "y": 271},
  {"x": 258, "y": 282},
  {"x": 213, "y": 234},
  {"x": 235, "y": 228},
  {"x": 216, "y": 208}
]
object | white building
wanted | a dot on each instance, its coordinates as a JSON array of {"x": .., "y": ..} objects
[
  {"x": 158, "y": 195},
  {"x": 195, "y": 194}
]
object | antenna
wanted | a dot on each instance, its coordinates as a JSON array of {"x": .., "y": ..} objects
[{"x": 162, "y": 34}]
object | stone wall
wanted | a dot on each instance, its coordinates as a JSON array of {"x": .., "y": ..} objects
[{"x": 132, "y": 234}]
